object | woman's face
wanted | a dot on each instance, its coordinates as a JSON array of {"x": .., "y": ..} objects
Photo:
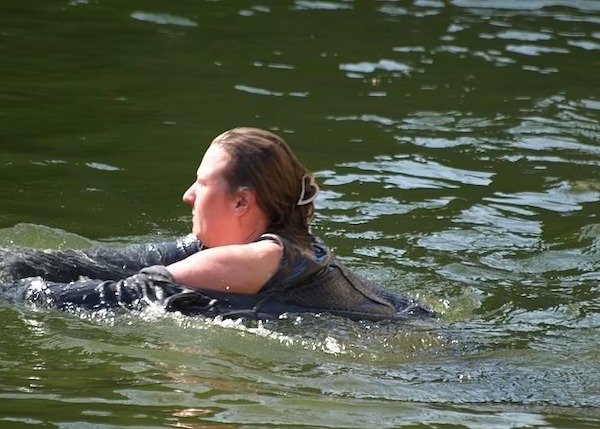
[{"x": 213, "y": 205}]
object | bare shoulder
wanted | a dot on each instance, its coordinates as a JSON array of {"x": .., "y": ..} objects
[
  {"x": 260, "y": 247},
  {"x": 239, "y": 268}
]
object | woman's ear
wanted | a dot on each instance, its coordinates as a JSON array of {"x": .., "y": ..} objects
[{"x": 244, "y": 200}]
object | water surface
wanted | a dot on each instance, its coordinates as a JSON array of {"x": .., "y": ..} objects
[{"x": 457, "y": 145}]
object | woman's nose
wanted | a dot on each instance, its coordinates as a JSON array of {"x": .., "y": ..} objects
[{"x": 189, "y": 196}]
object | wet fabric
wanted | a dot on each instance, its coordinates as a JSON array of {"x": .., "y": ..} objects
[
  {"x": 151, "y": 286},
  {"x": 100, "y": 262},
  {"x": 309, "y": 279}
]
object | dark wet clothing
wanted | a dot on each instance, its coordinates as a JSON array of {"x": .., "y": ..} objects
[{"x": 309, "y": 279}]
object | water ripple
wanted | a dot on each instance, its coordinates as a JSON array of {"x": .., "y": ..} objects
[
  {"x": 561, "y": 199},
  {"x": 530, "y": 5},
  {"x": 261, "y": 91},
  {"x": 163, "y": 19},
  {"x": 414, "y": 172},
  {"x": 320, "y": 5},
  {"x": 359, "y": 69}
]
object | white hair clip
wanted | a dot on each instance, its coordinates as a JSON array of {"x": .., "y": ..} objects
[{"x": 312, "y": 184}]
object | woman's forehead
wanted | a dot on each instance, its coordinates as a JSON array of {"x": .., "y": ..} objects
[{"x": 214, "y": 161}]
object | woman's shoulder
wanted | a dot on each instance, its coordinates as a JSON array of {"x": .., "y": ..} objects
[
  {"x": 308, "y": 246},
  {"x": 301, "y": 260}
]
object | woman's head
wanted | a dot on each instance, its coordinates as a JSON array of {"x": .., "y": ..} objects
[{"x": 264, "y": 163}]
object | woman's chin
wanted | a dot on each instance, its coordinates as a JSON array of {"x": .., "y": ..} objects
[{"x": 196, "y": 233}]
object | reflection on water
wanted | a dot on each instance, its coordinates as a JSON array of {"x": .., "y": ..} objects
[
  {"x": 163, "y": 19},
  {"x": 457, "y": 145}
]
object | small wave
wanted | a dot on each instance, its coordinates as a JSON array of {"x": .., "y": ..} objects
[
  {"x": 320, "y": 5},
  {"x": 531, "y": 5},
  {"x": 41, "y": 237},
  {"x": 261, "y": 91},
  {"x": 163, "y": 19}
]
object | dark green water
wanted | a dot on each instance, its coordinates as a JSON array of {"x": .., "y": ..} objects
[{"x": 458, "y": 145}]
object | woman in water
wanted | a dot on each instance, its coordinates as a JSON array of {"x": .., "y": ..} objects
[{"x": 251, "y": 253}]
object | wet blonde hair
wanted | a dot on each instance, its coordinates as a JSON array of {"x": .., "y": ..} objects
[{"x": 263, "y": 162}]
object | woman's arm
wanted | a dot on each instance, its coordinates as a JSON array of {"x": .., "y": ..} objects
[
  {"x": 100, "y": 262},
  {"x": 240, "y": 268},
  {"x": 152, "y": 286}
]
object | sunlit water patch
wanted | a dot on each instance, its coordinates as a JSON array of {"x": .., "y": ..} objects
[
  {"x": 163, "y": 19},
  {"x": 321, "y": 5}
]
